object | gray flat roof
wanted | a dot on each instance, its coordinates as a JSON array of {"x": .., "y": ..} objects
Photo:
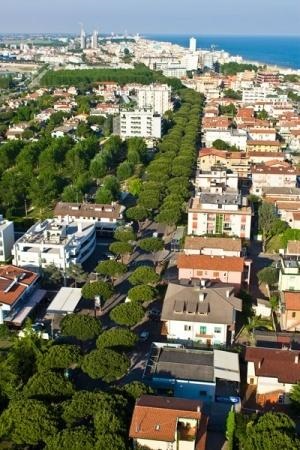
[{"x": 65, "y": 301}]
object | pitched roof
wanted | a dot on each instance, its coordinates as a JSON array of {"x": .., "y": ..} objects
[
  {"x": 199, "y": 242},
  {"x": 204, "y": 262},
  {"x": 156, "y": 418},
  {"x": 192, "y": 304},
  {"x": 13, "y": 283},
  {"x": 293, "y": 247},
  {"x": 263, "y": 142},
  {"x": 280, "y": 364}
]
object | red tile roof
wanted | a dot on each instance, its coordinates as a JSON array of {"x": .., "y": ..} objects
[
  {"x": 13, "y": 283},
  {"x": 292, "y": 300},
  {"x": 280, "y": 364},
  {"x": 227, "y": 263},
  {"x": 156, "y": 418}
]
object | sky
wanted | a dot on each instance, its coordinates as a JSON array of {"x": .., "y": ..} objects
[{"x": 210, "y": 17}]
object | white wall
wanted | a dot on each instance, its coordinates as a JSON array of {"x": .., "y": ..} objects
[
  {"x": 156, "y": 445},
  {"x": 176, "y": 330}
]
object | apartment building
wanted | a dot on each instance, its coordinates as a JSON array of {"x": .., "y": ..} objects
[
  {"x": 289, "y": 273},
  {"x": 237, "y": 138},
  {"x": 212, "y": 246},
  {"x": 290, "y": 310},
  {"x": 218, "y": 175},
  {"x": 203, "y": 315},
  {"x": 155, "y": 96},
  {"x": 219, "y": 213},
  {"x": 237, "y": 162},
  {"x": 54, "y": 241},
  {"x": 262, "y": 134},
  {"x": 7, "y": 238},
  {"x": 256, "y": 145},
  {"x": 139, "y": 123},
  {"x": 106, "y": 217}
]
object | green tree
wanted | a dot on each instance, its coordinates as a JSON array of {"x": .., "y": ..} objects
[
  {"x": 230, "y": 426},
  {"x": 110, "y": 441},
  {"x": 59, "y": 357},
  {"x": 112, "y": 269},
  {"x": 169, "y": 216},
  {"x": 142, "y": 293},
  {"x": 104, "y": 196},
  {"x": 294, "y": 396},
  {"x": 108, "y": 420},
  {"x": 268, "y": 275},
  {"x": 52, "y": 275},
  {"x": 105, "y": 364},
  {"x": 135, "y": 389},
  {"x": 48, "y": 386},
  {"x": 151, "y": 245},
  {"x": 219, "y": 144},
  {"x": 76, "y": 273},
  {"x": 79, "y": 438},
  {"x": 128, "y": 314},
  {"x": 80, "y": 326},
  {"x": 124, "y": 171},
  {"x": 137, "y": 213},
  {"x": 120, "y": 248},
  {"x": 97, "y": 288},
  {"x": 117, "y": 337},
  {"x": 27, "y": 421},
  {"x": 134, "y": 186},
  {"x": 124, "y": 234},
  {"x": 266, "y": 220},
  {"x": 144, "y": 275}
]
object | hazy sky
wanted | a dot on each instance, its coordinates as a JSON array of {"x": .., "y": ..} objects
[{"x": 268, "y": 17}]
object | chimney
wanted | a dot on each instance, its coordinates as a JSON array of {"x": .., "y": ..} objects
[
  {"x": 228, "y": 292},
  {"x": 296, "y": 359},
  {"x": 198, "y": 409},
  {"x": 201, "y": 297},
  {"x": 260, "y": 363}
]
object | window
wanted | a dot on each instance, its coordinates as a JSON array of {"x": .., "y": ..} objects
[
  {"x": 203, "y": 393},
  {"x": 199, "y": 273},
  {"x": 243, "y": 227},
  {"x": 293, "y": 314},
  {"x": 216, "y": 274},
  {"x": 202, "y": 330},
  {"x": 187, "y": 328},
  {"x": 217, "y": 330}
]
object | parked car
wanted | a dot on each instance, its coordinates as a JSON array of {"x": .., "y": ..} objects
[
  {"x": 154, "y": 314},
  {"x": 144, "y": 336}
]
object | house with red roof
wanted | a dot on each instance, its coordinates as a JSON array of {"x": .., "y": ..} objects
[
  {"x": 290, "y": 310},
  {"x": 168, "y": 423},
  {"x": 232, "y": 270},
  {"x": 19, "y": 294},
  {"x": 272, "y": 372}
]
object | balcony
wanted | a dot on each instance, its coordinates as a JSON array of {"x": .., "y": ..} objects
[
  {"x": 204, "y": 335},
  {"x": 186, "y": 432}
]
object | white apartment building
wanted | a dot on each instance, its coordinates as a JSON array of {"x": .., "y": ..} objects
[
  {"x": 231, "y": 137},
  {"x": 257, "y": 93},
  {"x": 140, "y": 123},
  {"x": 218, "y": 175},
  {"x": 54, "y": 241},
  {"x": 219, "y": 213},
  {"x": 262, "y": 134},
  {"x": 7, "y": 238},
  {"x": 155, "y": 96}
]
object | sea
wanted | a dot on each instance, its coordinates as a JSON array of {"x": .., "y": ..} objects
[{"x": 273, "y": 50}]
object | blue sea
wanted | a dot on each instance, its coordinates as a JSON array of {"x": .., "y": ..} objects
[{"x": 277, "y": 50}]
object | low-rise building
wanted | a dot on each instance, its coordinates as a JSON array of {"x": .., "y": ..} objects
[
  {"x": 289, "y": 274},
  {"x": 7, "y": 238},
  {"x": 272, "y": 373},
  {"x": 19, "y": 294},
  {"x": 233, "y": 137},
  {"x": 293, "y": 248},
  {"x": 203, "y": 315},
  {"x": 168, "y": 423},
  {"x": 290, "y": 310},
  {"x": 212, "y": 246},
  {"x": 260, "y": 134},
  {"x": 272, "y": 174},
  {"x": 218, "y": 175},
  {"x": 220, "y": 213},
  {"x": 212, "y": 376},
  {"x": 238, "y": 162},
  {"x": 263, "y": 146},
  {"x": 232, "y": 270},
  {"x": 54, "y": 241},
  {"x": 106, "y": 217}
]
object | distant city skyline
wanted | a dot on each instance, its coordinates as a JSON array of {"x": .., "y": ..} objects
[{"x": 217, "y": 17}]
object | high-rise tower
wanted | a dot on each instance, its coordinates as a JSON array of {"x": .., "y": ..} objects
[
  {"x": 94, "y": 43},
  {"x": 193, "y": 44},
  {"x": 82, "y": 38}
]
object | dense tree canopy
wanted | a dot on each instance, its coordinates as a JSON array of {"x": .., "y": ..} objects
[
  {"x": 128, "y": 314},
  {"x": 48, "y": 385},
  {"x": 142, "y": 293},
  {"x": 97, "y": 288},
  {"x": 59, "y": 357},
  {"x": 80, "y": 326},
  {"x": 105, "y": 364},
  {"x": 144, "y": 275},
  {"x": 117, "y": 337}
]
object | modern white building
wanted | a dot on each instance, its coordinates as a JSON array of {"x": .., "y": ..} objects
[
  {"x": 231, "y": 137},
  {"x": 218, "y": 175},
  {"x": 82, "y": 39},
  {"x": 7, "y": 238},
  {"x": 155, "y": 96},
  {"x": 140, "y": 123},
  {"x": 54, "y": 241},
  {"x": 193, "y": 44}
]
